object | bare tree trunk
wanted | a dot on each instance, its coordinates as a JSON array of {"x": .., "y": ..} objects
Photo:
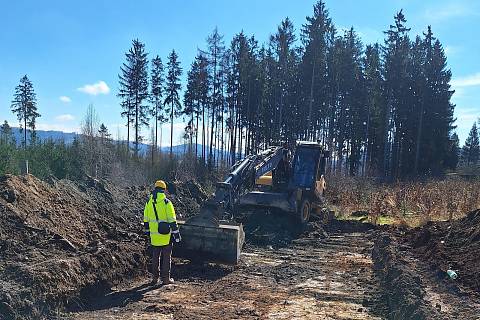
[
  {"x": 212, "y": 130},
  {"x": 203, "y": 132},
  {"x": 160, "y": 144},
  {"x": 365, "y": 151},
  {"x": 25, "y": 131},
  {"x": 156, "y": 131},
  {"x": 310, "y": 106},
  {"x": 128, "y": 133},
  {"x": 223, "y": 144},
  {"x": 136, "y": 126},
  {"x": 196, "y": 138},
  {"x": 171, "y": 132},
  {"x": 419, "y": 137},
  {"x": 154, "y": 141},
  {"x": 240, "y": 141},
  {"x": 191, "y": 133}
]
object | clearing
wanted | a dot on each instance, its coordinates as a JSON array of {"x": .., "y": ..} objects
[{"x": 74, "y": 250}]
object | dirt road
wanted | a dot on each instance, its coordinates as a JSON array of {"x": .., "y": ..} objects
[{"x": 311, "y": 278}]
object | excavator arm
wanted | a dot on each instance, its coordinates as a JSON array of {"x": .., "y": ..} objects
[
  {"x": 240, "y": 180},
  {"x": 207, "y": 236}
]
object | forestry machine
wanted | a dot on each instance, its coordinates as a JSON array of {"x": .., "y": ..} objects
[{"x": 269, "y": 179}]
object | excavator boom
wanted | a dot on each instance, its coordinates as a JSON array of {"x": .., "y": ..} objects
[{"x": 208, "y": 236}]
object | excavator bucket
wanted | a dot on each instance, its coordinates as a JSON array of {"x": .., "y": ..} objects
[
  {"x": 204, "y": 238},
  {"x": 222, "y": 243}
]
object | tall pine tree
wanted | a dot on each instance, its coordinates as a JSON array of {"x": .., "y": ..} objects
[
  {"x": 471, "y": 149},
  {"x": 24, "y": 105},
  {"x": 216, "y": 50},
  {"x": 156, "y": 97},
  {"x": 396, "y": 58},
  {"x": 375, "y": 126},
  {"x": 191, "y": 104},
  {"x": 6, "y": 134},
  {"x": 133, "y": 82},
  {"x": 172, "y": 91},
  {"x": 316, "y": 36}
]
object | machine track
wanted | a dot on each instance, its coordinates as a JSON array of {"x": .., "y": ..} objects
[{"x": 309, "y": 278}]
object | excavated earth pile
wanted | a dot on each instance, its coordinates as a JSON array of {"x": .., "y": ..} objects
[
  {"x": 64, "y": 242},
  {"x": 452, "y": 245},
  {"x": 400, "y": 281},
  {"x": 58, "y": 238},
  {"x": 187, "y": 196},
  {"x": 412, "y": 265}
]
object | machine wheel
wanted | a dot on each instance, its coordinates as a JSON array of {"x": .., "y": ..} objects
[{"x": 304, "y": 212}]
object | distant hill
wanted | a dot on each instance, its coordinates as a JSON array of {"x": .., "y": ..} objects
[
  {"x": 46, "y": 135},
  {"x": 183, "y": 148},
  {"x": 68, "y": 138}
]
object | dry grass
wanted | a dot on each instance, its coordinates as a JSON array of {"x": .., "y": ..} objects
[{"x": 412, "y": 203}]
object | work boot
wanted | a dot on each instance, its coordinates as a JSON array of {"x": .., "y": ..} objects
[{"x": 166, "y": 282}]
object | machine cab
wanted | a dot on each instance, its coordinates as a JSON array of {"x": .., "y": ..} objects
[{"x": 308, "y": 165}]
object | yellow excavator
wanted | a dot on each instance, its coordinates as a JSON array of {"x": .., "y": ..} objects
[{"x": 269, "y": 179}]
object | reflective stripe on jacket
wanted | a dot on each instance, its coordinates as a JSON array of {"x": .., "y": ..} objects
[{"x": 165, "y": 212}]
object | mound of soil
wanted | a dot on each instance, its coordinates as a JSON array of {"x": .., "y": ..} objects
[
  {"x": 186, "y": 196},
  {"x": 277, "y": 229},
  {"x": 401, "y": 283},
  {"x": 452, "y": 245},
  {"x": 62, "y": 242},
  {"x": 265, "y": 227},
  {"x": 59, "y": 237}
]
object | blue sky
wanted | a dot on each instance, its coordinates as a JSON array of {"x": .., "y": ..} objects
[{"x": 72, "y": 50}]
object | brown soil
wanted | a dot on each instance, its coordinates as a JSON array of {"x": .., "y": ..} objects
[
  {"x": 452, "y": 245},
  {"x": 414, "y": 286},
  {"x": 308, "y": 278},
  {"x": 187, "y": 197},
  {"x": 59, "y": 239},
  {"x": 76, "y": 250}
]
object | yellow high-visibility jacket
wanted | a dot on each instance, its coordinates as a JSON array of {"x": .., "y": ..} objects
[{"x": 166, "y": 214}]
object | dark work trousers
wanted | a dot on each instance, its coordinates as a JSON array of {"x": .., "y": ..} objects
[{"x": 166, "y": 253}]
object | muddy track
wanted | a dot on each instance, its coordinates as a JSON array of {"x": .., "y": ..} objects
[{"x": 310, "y": 278}]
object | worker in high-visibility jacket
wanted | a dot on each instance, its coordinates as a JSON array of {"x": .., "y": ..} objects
[{"x": 161, "y": 225}]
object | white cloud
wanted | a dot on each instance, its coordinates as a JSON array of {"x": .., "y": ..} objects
[
  {"x": 468, "y": 81},
  {"x": 467, "y": 114},
  {"x": 452, "y": 10},
  {"x": 64, "y": 117},
  {"x": 369, "y": 35},
  {"x": 452, "y": 50},
  {"x": 458, "y": 95},
  {"x": 97, "y": 88},
  {"x": 65, "y": 99}
]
